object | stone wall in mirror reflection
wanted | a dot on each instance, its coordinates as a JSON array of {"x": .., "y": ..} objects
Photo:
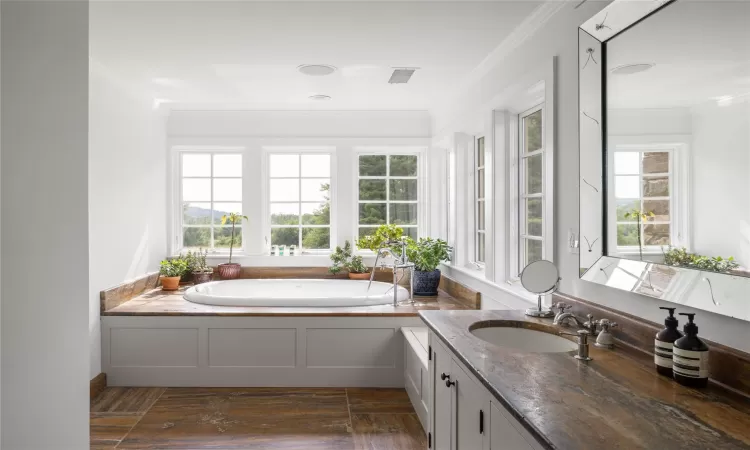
[{"x": 678, "y": 152}]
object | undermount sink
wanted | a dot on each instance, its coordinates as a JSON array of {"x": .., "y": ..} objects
[{"x": 523, "y": 339}]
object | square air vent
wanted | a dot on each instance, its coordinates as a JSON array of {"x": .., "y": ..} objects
[{"x": 402, "y": 75}]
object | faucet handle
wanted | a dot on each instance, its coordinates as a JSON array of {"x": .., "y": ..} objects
[{"x": 562, "y": 306}]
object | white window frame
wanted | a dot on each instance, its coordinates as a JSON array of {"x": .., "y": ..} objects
[
  {"x": 177, "y": 246},
  {"x": 266, "y": 205},
  {"x": 679, "y": 189},
  {"x": 421, "y": 203},
  {"x": 476, "y": 200},
  {"x": 522, "y": 196}
]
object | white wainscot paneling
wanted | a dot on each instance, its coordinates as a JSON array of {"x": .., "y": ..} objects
[
  {"x": 351, "y": 347},
  {"x": 254, "y": 351},
  {"x": 150, "y": 347},
  {"x": 252, "y": 347}
]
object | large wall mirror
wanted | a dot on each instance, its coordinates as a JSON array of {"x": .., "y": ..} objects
[{"x": 665, "y": 151}]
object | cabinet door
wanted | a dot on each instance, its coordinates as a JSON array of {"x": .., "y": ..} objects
[
  {"x": 442, "y": 397},
  {"x": 471, "y": 404},
  {"x": 503, "y": 436}
]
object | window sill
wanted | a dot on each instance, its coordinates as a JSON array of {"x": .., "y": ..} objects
[{"x": 522, "y": 297}]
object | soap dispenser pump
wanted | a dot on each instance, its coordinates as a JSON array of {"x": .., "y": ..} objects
[
  {"x": 690, "y": 363},
  {"x": 664, "y": 343}
]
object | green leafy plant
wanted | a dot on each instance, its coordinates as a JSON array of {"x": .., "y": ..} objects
[
  {"x": 175, "y": 267},
  {"x": 640, "y": 216},
  {"x": 428, "y": 253},
  {"x": 383, "y": 234},
  {"x": 234, "y": 219},
  {"x": 199, "y": 262},
  {"x": 682, "y": 258},
  {"x": 342, "y": 259}
]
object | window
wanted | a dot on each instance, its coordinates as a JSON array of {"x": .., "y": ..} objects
[
  {"x": 300, "y": 200},
  {"x": 531, "y": 187},
  {"x": 643, "y": 183},
  {"x": 211, "y": 186},
  {"x": 388, "y": 192},
  {"x": 479, "y": 208}
]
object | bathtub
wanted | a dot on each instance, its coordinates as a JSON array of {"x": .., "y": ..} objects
[{"x": 294, "y": 292}]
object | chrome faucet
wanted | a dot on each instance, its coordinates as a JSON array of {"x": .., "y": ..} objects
[
  {"x": 399, "y": 262},
  {"x": 564, "y": 318}
]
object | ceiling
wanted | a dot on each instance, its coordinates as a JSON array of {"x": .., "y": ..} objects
[
  {"x": 701, "y": 52},
  {"x": 244, "y": 55}
]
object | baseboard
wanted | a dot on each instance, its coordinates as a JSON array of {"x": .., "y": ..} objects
[{"x": 98, "y": 383}]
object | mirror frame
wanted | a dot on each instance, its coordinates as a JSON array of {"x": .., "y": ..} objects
[{"x": 595, "y": 266}]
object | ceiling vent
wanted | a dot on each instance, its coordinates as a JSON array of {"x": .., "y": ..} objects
[
  {"x": 316, "y": 70},
  {"x": 402, "y": 75}
]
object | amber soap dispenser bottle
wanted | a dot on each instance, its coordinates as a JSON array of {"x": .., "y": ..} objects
[
  {"x": 690, "y": 363},
  {"x": 664, "y": 343}
]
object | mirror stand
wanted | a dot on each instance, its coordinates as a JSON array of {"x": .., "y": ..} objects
[{"x": 539, "y": 310}]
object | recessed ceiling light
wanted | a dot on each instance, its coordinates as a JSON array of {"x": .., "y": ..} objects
[
  {"x": 319, "y": 97},
  {"x": 629, "y": 69},
  {"x": 316, "y": 70}
]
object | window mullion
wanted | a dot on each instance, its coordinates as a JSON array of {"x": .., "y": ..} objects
[{"x": 211, "y": 188}]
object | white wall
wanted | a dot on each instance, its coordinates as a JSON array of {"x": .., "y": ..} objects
[
  {"x": 559, "y": 38},
  {"x": 127, "y": 190},
  {"x": 720, "y": 161},
  {"x": 321, "y": 124},
  {"x": 45, "y": 259}
]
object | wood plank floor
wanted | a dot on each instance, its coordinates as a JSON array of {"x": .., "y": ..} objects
[{"x": 255, "y": 418}]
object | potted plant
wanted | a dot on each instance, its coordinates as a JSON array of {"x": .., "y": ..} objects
[
  {"x": 230, "y": 270},
  {"x": 342, "y": 259},
  {"x": 171, "y": 270},
  {"x": 190, "y": 259},
  {"x": 640, "y": 216},
  {"x": 383, "y": 234},
  {"x": 427, "y": 254},
  {"x": 201, "y": 272}
]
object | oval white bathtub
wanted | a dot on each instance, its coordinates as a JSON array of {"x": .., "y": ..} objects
[{"x": 293, "y": 292}]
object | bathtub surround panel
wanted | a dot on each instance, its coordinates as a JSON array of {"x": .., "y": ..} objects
[
  {"x": 313, "y": 351},
  {"x": 239, "y": 347},
  {"x": 727, "y": 366},
  {"x": 117, "y": 295}
]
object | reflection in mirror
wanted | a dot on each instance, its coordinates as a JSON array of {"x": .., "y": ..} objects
[
  {"x": 540, "y": 277},
  {"x": 678, "y": 145}
]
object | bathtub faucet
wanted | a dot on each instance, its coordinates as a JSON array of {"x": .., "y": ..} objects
[{"x": 399, "y": 262}]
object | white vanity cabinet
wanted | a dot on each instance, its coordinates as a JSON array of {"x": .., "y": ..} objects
[{"x": 464, "y": 415}]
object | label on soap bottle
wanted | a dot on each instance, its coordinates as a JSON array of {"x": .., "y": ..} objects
[
  {"x": 690, "y": 364},
  {"x": 663, "y": 353}
]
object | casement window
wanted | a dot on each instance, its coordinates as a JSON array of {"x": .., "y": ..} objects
[
  {"x": 210, "y": 187},
  {"x": 388, "y": 192},
  {"x": 299, "y": 200},
  {"x": 643, "y": 184},
  {"x": 531, "y": 187},
  {"x": 479, "y": 202}
]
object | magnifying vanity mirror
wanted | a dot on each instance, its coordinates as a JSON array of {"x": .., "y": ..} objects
[
  {"x": 665, "y": 152},
  {"x": 540, "y": 277}
]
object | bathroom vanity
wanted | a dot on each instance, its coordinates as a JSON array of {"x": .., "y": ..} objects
[{"x": 533, "y": 393}]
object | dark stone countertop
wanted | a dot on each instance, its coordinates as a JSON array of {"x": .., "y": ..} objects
[{"x": 615, "y": 401}]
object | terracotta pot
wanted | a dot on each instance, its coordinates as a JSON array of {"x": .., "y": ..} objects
[
  {"x": 359, "y": 276},
  {"x": 170, "y": 283},
  {"x": 202, "y": 277},
  {"x": 229, "y": 271}
]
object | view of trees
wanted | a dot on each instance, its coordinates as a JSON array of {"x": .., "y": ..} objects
[
  {"x": 312, "y": 238},
  {"x": 375, "y": 193}
]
